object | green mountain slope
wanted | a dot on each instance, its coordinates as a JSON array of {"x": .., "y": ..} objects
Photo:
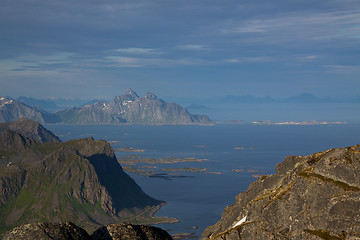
[{"x": 79, "y": 181}]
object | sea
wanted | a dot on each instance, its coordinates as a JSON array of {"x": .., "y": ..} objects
[{"x": 234, "y": 155}]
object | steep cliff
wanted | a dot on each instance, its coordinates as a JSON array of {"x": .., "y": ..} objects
[
  {"x": 79, "y": 181},
  {"x": 311, "y": 197}
]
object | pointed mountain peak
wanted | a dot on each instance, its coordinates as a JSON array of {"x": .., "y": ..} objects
[
  {"x": 130, "y": 92},
  {"x": 150, "y": 95},
  {"x": 128, "y": 95}
]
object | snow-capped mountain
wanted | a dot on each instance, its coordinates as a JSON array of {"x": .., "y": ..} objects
[
  {"x": 132, "y": 109},
  {"x": 11, "y": 110}
]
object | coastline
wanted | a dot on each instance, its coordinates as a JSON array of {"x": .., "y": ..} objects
[{"x": 147, "y": 217}]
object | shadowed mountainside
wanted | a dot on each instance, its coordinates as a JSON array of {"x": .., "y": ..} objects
[{"x": 79, "y": 181}]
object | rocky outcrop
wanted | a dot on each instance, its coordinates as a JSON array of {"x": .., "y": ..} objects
[
  {"x": 47, "y": 231},
  {"x": 69, "y": 231},
  {"x": 11, "y": 141},
  {"x": 29, "y": 129},
  {"x": 311, "y": 197},
  {"x": 79, "y": 181},
  {"x": 128, "y": 231},
  {"x": 129, "y": 108}
]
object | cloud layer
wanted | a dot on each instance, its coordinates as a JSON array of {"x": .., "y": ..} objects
[{"x": 165, "y": 45}]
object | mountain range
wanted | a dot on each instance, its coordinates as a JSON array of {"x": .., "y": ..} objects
[
  {"x": 43, "y": 179},
  {"x": 127, "y": 108},
  {"x": 131, "y": 109}
]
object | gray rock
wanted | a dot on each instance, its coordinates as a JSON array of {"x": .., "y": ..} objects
[
  {"x": 69, "y": 231},
  {"x": 311, "y": 197},
  {"x": 128, "y": 231},
  {"x": 44, "y": 231},
  {"x": 30, "y": 129}
]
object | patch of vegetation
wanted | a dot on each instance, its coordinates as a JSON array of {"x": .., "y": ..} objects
[
  {"x": 324, "y": 234},
  {"x": 338, "y": 183},
  {"x": 25, "y": 198}
]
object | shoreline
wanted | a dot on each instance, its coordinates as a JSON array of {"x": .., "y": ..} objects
[{"x": 147, "y": 217}]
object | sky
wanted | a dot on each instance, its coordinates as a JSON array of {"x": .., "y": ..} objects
[{"x": 185, "y": 49}]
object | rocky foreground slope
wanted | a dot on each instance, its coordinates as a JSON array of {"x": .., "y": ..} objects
[
  {"x": 312, "y": 197},
  {"x": 69, "y": 231},
  {"x": 78, "y": 181}
]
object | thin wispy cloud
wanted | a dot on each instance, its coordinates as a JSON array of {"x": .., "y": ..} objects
[
  {"x": 249, "y": 59},
  {"x": 138, "y": 51},
  {"x": 298, "y": 26},
  {"x": 193, "y": 47},
  {"x": 342, "y": 69}
]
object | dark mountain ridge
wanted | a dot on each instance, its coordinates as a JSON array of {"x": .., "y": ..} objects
[
  {"x": 30, "y": 129},
  {"x": 79, "y": 181},
  {"x": 69, "y": 231}
]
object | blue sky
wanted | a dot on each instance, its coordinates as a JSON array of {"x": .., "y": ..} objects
[{"x": 179, "y": 49}]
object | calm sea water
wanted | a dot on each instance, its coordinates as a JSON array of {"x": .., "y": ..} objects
[{"x": 199, "y": 200}]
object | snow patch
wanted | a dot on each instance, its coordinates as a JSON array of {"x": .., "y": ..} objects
[{"x": 243, "y": 220}]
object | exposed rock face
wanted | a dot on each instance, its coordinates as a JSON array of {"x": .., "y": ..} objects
[
  {"x": 29, "y": 129},
  {"x": 312, "y": 197},
  {"x": 79, "y": 181},
  {"x": 50, "y": 231},
  {"x": 69, "y": 231},
  {"x": 11, "y": 141},
  {"x": 130, "y": 108},
  {"x": 129, "y": 231}
]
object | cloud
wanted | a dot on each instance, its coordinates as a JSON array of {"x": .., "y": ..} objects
[
  {"x": 139, "y": 62},
  {"x": 135, "y": 50},
  {"x": 296, "y": 26},
  {"x": 193, "y": 47},
  {"x": 342, "y": 69},
  {"x": 249, "y": 59}
]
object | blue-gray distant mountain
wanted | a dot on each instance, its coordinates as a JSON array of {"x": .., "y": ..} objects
[
  {"x": 45, "y": 104},
  {"x": 11, "y": 110},
  {"x": 129, "y": 108}
]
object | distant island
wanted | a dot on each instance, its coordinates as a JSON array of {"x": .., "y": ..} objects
[
  {"x": 127, "y": 108},
  {"x": 266, "y": 122}
]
